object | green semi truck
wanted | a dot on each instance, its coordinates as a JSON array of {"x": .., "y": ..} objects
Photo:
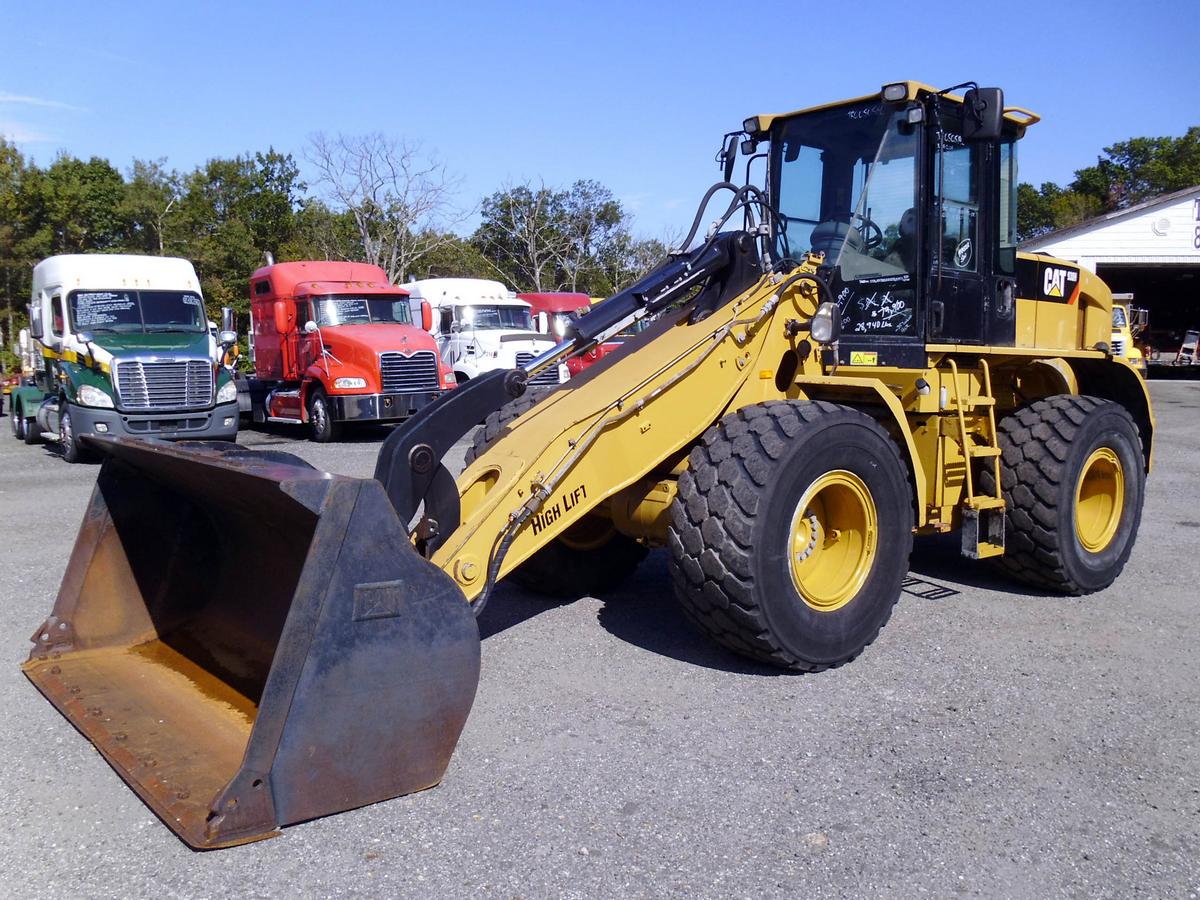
[{"x": 120, "y": 345}]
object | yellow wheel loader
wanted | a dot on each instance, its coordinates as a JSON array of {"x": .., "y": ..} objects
[{"x": 853, "y": 352}]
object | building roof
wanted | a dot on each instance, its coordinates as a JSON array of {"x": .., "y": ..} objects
[{"x": 1106, "y": 219}]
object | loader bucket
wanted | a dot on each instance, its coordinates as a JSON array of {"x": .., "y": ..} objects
[{"x": 252, "y": 643}]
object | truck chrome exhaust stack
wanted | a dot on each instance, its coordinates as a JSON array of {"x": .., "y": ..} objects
[{"x": 251, "y": 643}]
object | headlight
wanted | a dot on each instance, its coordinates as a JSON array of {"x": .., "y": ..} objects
[
  {"x": 227, "y": 393},
  {"x": 89, "y": 395},
  {"x": 349, "y": 384}
]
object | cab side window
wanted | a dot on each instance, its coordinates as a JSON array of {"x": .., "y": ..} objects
[
  {"x": 958, "y": 242},
  {"x": 57, "y": 318},
  {"x": 446, "y": 320}
]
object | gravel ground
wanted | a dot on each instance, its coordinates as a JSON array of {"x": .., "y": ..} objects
[{"x": 993, "y": 741}]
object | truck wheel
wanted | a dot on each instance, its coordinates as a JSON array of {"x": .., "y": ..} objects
[
  {"x": 791, "y": 531},
  {"x": 320, "y": 420},
  {"x": 18, "y": 423},
  {"x": 590, "y": 558},
  {"x": 29, "y": 429},
  {"x": 1074, "y": 477},
  {"x": 72, "y": 450}
]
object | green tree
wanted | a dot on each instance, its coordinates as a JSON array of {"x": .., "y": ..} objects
[
  {"x": 1141, "y": 168},
  {"x": 77, "y": 206},
  {"x": 152, "y": 194},
  {"x": 544, "y": 239},
  {"x": 231, "y": 212}
]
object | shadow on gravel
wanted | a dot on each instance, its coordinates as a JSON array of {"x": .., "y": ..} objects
[
  {"x": 510, "y": 606},
  {"x": 940, "y": 557},
  {"x": 353, "y": 434},
  {"x": 644, "y": 613}
]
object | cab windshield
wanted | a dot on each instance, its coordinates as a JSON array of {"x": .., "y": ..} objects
[
  {"x": 494, "y": 318},
  {"x": 846, "y": 180},
  {"x": 561, "y": 321},
  {"x": 136, "y": 312},
  {"x": 1119, "y": 319},
  {"x": 356, "y": 309}
]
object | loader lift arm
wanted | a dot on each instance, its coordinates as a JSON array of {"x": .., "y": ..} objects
[{"x": 409, "y": 464}]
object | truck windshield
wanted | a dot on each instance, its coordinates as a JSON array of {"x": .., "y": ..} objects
[
  {"x": 1119, "y": 320},
  {"x": 136, "y": 312},
  {"x": 561, "y": 321},
  {"x": 356, "y": 309},
  {"x": 846, "y": 179},
  {"x": 494, "y": 317}
]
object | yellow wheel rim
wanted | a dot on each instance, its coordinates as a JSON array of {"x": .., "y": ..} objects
[
  {"x": 1099, "y": 500},
  {"x": 834, "y": 536}
]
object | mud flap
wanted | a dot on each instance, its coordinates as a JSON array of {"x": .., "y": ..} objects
[{"x": 251, "y": 642}]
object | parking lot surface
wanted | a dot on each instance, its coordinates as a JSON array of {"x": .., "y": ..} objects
[{"x": 992, "y": 742}]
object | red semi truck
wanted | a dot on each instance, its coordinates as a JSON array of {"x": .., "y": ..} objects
[
  {"x": 555, "y": 310},
  {"x": 334, "y": 342}
]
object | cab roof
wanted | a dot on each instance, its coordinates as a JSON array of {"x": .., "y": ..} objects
[
  {"x": 115, "y": 270},
  {"x": 311, "y": 277},
  {"x": 913, "y": 89},
  {"x": 556, "y": 301}
]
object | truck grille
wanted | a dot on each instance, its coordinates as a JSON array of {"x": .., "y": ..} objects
[
  {"x": 174, "y": 384},
  {"x": 1118, "y": 347},
  {"x": 548, "y": 375},
  {"x": 408, "y": 374}
]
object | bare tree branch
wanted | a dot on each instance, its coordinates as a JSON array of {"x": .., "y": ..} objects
[{"x": 400, "y": 198}]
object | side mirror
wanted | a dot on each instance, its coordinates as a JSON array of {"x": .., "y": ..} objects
[
  {"x": 228, "y": 319},
  {"x": 285, "y": 316},
  {"x": 426, "y": 315},
  {"x": 543, "y": 323},
  {"x": 23, "y": 340},
  {"x": 826, "y": 324},
  {"x": 728, "y": 155},
  {"x": 228, "y": 337},
  {"x": 310, "y": 327},
  {"x": 983, "y": 114}
]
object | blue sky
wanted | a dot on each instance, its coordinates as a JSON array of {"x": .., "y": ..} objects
[{"x": 634, "y": 95}]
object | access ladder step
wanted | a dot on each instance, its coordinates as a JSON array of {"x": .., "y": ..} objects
[
  {"x": 983, "y": 528},
  {"x": 982, "y": 452},
  {"x": 980, "y": 401}
]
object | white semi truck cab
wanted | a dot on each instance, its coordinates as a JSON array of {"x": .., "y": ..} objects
[
  {"x": 119, "y": 345},
  {"x": 480, "y": 325}
]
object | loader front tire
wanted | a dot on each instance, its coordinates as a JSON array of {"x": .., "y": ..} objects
[
  {"x": 791, "y": 531},
  {"x": 1073, "y": 478},
  {"x": 591, "y": 557}
]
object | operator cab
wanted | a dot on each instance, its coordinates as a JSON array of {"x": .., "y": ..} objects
[{"x": 911, "y": 196}]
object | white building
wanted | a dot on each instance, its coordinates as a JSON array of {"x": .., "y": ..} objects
[{"x": 1151, "y": 250}]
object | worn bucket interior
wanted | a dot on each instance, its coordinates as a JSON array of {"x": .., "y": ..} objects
[{"x": 251, "y": 642}]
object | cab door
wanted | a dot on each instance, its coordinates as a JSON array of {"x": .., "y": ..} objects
[
  {"x": 972, "y": 253},
  {"x": 957, "y": 268}
]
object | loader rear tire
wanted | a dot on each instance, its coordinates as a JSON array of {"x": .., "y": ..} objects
[
  {"x": 791, "y": 531},
  {"x": 590, "y": 559},
  {"x": 1073, "y": 477}
]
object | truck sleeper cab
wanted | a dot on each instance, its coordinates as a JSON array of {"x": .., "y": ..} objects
[
  {"x": 334, "y": 342},
  {"x": 480, "y": 326},
  {"x": 120, "y": 346}
]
